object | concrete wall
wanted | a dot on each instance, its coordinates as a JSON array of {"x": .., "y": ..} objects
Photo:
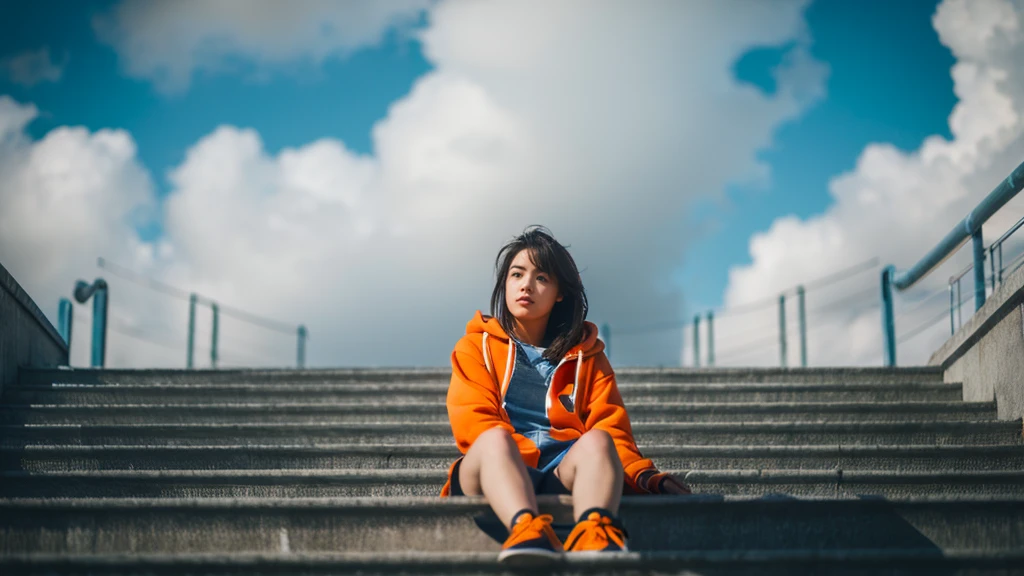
[
  {"x": 26, "y": 337},
  {"x": 987, "y": 353}
]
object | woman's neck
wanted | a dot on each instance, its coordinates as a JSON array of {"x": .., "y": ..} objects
[{"x": 532, "y": 331}]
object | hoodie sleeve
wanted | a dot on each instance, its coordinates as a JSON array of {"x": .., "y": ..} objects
[
  {"x": 605, "y": 411},
  {"x": 474, "y": 405}
]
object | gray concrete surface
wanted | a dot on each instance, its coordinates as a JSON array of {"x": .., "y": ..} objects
[
  {"x": 906, "y": 458},
  {"x": 181, "y": 465},
  {"x": 413, "y": 482},
  {"x": 646, "y": 433},
  {"x": 427, "y": 524},
  {"x": 917, "y": 561},
  {"x": 26, "y": 337},
  {"x": 987, "y": 354},
  {"x": 305, "y": 412},
  {"x": 339, "y": 392}
]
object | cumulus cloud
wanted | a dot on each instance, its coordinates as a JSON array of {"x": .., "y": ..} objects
[
  {"x": 603, "y": 124},
  {"x": 166, "y": 41},
  {"x": 898, "y": 205},
  {"x": 66, "y": 199},
  {"x": 573, "y": 120},
  {"x": 32, "y": 67}
]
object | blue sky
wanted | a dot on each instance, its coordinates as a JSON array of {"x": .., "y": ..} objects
[{"x": 888, "y": 81}]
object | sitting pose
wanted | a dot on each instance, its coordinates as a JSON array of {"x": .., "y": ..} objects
[{"x": 534, "y": 408}]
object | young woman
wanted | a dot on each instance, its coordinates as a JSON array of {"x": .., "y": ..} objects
[{"x": 534, "y": 409}]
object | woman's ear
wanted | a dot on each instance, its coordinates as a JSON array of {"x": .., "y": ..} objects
[{"x": 559, "y": 298}]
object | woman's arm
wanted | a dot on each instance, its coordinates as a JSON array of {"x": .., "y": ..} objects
[
  {"x": 474, "y": 404},
  {"x": 606, "y": 411}
]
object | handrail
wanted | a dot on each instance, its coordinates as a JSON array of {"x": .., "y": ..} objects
[
  {"x": 968, "y": 228},
  {"x": 100, "y": 294}
]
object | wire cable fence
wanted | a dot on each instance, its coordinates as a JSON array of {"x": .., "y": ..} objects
[{"x": 173, "y": 332}]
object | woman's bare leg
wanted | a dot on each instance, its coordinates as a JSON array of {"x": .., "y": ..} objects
[
  {"x": 592, "y": 471},
  {"x": 493, "y": 467}
]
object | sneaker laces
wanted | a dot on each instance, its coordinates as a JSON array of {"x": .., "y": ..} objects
[
  {"x": 540, "y": 523},
  {"x": 600, "y": 527}
]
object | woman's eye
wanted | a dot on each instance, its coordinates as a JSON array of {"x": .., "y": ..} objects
[{"x": 542, "y": 278}]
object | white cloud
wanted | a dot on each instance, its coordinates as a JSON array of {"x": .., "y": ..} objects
[
  {"x": 166, "y": 41},
  {"x": 602, "y": 124},
  {"x": 576, "y": 119},
  {"x": 32, "y": 67},
  {"x": 898, "y": 205},
  {"x": 67, "y": 199}
]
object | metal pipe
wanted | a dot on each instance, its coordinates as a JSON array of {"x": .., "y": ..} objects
[
  {"x": 189, "y": 360},
  {"x": 782, "y": 330},
  {"x": 802, "y": 309},
  {"x": 65, "y": 318},
  {"x": 696, "y": 341},
  {"x": 979, "y": 269},
  {"x": 888, "y": 324},
  {"x": 213, "y": 343},
  {"x": 711, "y": 338},
  {"x": 99, "y": 292},
  {"x": 303, "y": 334},
  {"x": 963, "y": 231}
]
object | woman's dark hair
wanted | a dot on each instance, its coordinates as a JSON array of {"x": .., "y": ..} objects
[{"x": 565, "y": 325}]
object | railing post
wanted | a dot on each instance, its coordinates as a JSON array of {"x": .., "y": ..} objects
[
  {"x": 606, "y": 331},
  {"x": 711, "y": 338},
  {"x": 952, "y": 308},
  {"x": 189, "y": 360},
  {"x": 213, "y": 343},
  {"x": 979, "y": 270},
  {"x": 802, "y": 309},
  {"x": 888, "y": 323},
  {"x": 303, "y": 334},
  {"x": 992, "y": 265},
  {"x": 696, "y": 341},
  {"x": 99, "y": 292},
  {"x": 782, "y": 330},
  {"x": 65, "y": 318}
]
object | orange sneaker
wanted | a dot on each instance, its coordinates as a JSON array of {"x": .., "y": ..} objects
[
  {"x": 597, "y": 532},
  {"x": 532, "y": 540}
]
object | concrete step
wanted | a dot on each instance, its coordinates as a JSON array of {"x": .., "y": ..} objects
[
  {"x": 943, "y": 432},
  {"x": 286, "y": 377},
  {"x": 916, "y": 561},
  {"x": 436, "y": 412},
  {"x": 872, "y": 375},
  {"x": 416, "y": 482},
  {"x": 924, "y": 561},
  {"x": 695, "y": 523},
  {"x": 440, "y": 456},
  {"x": 150, "y": 393}
]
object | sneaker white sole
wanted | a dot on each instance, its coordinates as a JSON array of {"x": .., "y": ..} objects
[{"x": 529, "y": 556}]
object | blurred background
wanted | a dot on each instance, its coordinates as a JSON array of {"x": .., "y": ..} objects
[{"x": 354, "y": 167}]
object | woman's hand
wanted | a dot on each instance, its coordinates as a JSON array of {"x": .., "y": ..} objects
[
  {"x": 672, "y": 484},
  {"x": 666, "y": 483}
]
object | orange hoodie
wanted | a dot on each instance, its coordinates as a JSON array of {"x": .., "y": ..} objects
[{"x": 582, "y": 396}]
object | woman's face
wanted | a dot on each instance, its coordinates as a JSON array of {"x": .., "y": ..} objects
[{"x": 529, "y": 293}]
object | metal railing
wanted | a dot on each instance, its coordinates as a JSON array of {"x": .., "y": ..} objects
[
  {"x": 99, "y": 290},
  {"x": 968, "y": 229},
  {"x": 100, "y": 294}
]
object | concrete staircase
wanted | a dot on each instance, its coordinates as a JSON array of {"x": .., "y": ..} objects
[{"x": 317, "y": 472}]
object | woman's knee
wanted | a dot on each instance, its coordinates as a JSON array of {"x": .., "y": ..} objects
[
  {"x": 597, "y": 443},
  {"x": 495, "y": 439}
]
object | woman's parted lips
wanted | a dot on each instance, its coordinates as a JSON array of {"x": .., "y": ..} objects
[{"x": 524, "y": 300}]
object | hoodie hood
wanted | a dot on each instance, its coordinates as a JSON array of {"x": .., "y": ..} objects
[{"x": 481, "y": 324}]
